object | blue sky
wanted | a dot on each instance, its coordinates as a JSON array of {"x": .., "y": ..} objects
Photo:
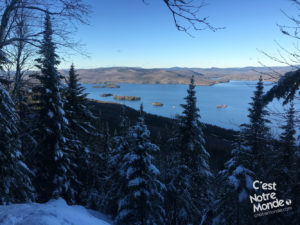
[{"x": 131, "y": 33}]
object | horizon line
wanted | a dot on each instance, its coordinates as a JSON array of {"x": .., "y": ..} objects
[{"x": 178, "y": 67}]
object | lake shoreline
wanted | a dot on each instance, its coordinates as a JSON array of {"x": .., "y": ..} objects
[{"x": 200, "y": 85}]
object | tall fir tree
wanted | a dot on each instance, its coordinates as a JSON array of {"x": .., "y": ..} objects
[
  {"x": 256, "y": 132},
  {"x": 235, "y": 185},
  {"x": 142, "y": 202},
  {"x": 117, "y": 180},
  {"x": 81, "y": 129},
  {"x": 105, "y": 149},
  {"x": 288, "y": 138},
  {"x": 249, "y": 162},
  {"x": 78, "y": 112},
  {"x": 284, "y": 168},
  {"x": 15, "y": 176},
  {"x": 194, "y": 161},
  {"x": 53, "y": 157},
  {"x": 188, "y": 177}
]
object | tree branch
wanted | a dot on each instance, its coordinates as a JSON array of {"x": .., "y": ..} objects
[{"x": 188, "y": 11}]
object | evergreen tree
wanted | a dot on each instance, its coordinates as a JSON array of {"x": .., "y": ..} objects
[
  {"x": 54, "y": 159},
  {"x": 256, "y": 132},
  {"x": 106, "y": 145},
  {"x": 15, "y": 176},
  {"x": 190, "y": 178},
  {"x": 104, "y": 170},
  {"x": 235, "y": 185},
  {"x": 174, "y": 198},
  {"x": 95, "y": 194},
  {"x": 284, "y": 167},
  {"x": 25, "y": 123},
  {"x": 117, "y": 180},
  {"x": 288, "y": 138},
  {"x": 142, "y": 203},
  {"x": 78, "y": 111},
  {"x": 249, "y": 162},
  {"x": 80, "y": 126}
]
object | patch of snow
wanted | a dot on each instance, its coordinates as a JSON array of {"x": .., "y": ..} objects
[
  {"x": 243, "y": 195},
  {"x": 54, "y": 212},
  {"x": 233, "y": 181},
  {"x": 22, "y": 164},
  {"x": 153, "y": 169},
  {"x": 136, "y": 181},
  {"x": 50, "y": 114},
  {"x": 249, "y": 182}
]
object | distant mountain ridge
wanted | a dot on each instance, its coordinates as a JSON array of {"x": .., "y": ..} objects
[{"x": 174, "y": 75}]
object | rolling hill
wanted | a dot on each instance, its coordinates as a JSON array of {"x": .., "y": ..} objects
[{"x": 175, "y": 75}]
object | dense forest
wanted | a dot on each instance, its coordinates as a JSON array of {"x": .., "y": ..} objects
[{"x": 136, "y": 167}]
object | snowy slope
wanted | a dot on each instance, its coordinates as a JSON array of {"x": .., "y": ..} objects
[{"x": 54, "y": 212}]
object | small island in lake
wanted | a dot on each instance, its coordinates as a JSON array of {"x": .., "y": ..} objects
[
  {"x": 157, "y": 104},
  {"x": 222, "y": 106},
  {"x": 106, "y": 95},
  {"x": 127, "y": 98},
  {"x": 107, "y": 85},
  {"x": 111, "y": 85}
]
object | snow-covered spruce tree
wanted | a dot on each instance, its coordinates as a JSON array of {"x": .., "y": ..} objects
[
  {"x": 235, "y": 184},
  {"x": 103, "y": 187},
  {"x": 192, "y": 173},
  {"x": 106, "y": 142},
  {"x": 256, "y": 132},
  {"x": 25, "y": 122},
  {"x": 15, "y": 176},
  {"x": 284, "y": 161},
  {"x": 117, "y": 180},
  {"x": 170, "y": 177},
  {"x": 248, "y": 163},
  {"x": 142, "y": 203},
  {"x": 53, "y": 158},
  {"x": 284, "y": 167},
  {"x": 80, "y": 120}
]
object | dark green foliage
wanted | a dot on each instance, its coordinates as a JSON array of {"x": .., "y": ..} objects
[
  {"x": 288, "y": 137},
  {"x": 234, "y": 185},
  {"x": 77, "y": 109},
  {"x": 53, "y": 157},
  {"x": 250, "y": 161},
  {"x": 286, "y": 88},
  {"x": 285, "y": 171},
  {"x": 256, "y": 132},
  {"x": 141, "y": 203},
  {"x": 80, "y": 132},
  {"x": 116, "y": 180},
  {"x": 15, "y": 177},
  {"x": 188, "y": 178}
]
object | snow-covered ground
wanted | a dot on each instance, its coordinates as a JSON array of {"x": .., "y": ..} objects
[{"x": 54, "y": 212}]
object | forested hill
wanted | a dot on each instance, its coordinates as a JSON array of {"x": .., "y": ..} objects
[
  {"x": 175, "y": 75},
  {"x": 218, "y": 140}
]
